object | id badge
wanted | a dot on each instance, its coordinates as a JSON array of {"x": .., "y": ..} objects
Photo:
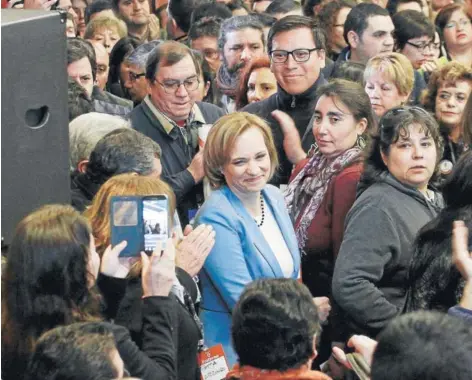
[{"x": 213, "y": 364}]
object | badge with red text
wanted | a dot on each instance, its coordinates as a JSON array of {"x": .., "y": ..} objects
[{"x": 213, "y": 364}]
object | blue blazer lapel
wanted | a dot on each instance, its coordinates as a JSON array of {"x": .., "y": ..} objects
[
  {"x": 280, "y": 213},
  {"x": 255, "y": 234}
]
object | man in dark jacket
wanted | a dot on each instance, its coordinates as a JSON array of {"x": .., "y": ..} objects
[
  {"x": 297, "y": 54},
  {"x": 120, "y": 151},
  {"x": 170, "y": 116}
]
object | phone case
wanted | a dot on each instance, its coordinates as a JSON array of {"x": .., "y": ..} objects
[{"x": 126, "y": 223}]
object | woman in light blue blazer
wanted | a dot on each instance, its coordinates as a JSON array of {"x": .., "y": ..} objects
[{"x": 254, "y": 234}]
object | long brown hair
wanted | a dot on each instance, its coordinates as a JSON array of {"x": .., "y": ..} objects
[
  {"x": 46, "y": 280},
  {"x": 127, "y": 184}
]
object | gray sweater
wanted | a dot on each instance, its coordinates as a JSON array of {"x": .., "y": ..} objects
[{"x": 369, "y": 282}]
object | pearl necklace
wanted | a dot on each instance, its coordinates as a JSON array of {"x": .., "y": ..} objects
[{"x": 259, "y": 224}]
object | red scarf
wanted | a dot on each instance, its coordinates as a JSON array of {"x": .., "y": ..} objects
[{"x": 252, "y": 373}]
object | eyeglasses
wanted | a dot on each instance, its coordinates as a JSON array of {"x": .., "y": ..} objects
[
  {"x": 171, "y": 86},
  {"x": 133, "y": 77},
  {"x": 210, "y": 54},
  {"x": 422, "y": 46},
  {"x": 453, "y": 24},
  {"x": 299, "y": 55}
]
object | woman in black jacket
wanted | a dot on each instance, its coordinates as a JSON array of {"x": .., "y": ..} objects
[
  {"x": 434, "y": 281},
  {"x": 191, "y": 253},
  {"x": 49, "y": 281}
]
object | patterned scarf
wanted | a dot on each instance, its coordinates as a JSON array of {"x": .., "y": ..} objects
[
  {"x": 305, "y": 193},
  {"x": 227, "y": 83}
]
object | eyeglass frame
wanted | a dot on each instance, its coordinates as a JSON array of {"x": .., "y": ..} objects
[
  {"x": 180, "y": 83},
  {"x": 454, "y": 24},
  {"x": 133, "y": 77},
  {"x": 423, "y": 47},
  {"x": 293, "y": 56}
]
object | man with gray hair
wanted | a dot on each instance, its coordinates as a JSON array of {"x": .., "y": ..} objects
[
  {"x": 135, "y": 62},
  {"x": 241, "y": 40},
  {"x": 84, "y": 133},
  {"x": 121, "y": 151}
]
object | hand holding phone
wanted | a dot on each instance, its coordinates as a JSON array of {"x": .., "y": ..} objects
[
  {"x": 112, "y": 265},
  {"x": 158, "y": 272},
  {"x": 143, "y": 221}
]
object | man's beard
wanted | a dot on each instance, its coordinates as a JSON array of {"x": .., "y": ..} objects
[{"x": 233, "y": 70}]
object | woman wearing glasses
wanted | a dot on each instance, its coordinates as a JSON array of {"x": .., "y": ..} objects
[
  {"x": 415, "y": 38},
  {"x": 333, "y": 16},
  {"x": 455, "y": 26},
  {"x": 448, "y": 91},
  {"x": 393, "y": 202}
]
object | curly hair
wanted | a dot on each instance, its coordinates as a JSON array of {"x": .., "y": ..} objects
[
  {"x": 450, "y": 73},
  {"x": 274, "y": 325},
  {"x": 327, "y": 17},
  {"x": 393, "y": 124},
  {"x": 46, "y": 280}
]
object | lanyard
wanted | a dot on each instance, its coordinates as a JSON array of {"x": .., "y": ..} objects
[{"x": 191, "y": 308}]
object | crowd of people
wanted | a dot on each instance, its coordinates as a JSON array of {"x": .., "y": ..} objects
[{"x": 316, "y": 158}]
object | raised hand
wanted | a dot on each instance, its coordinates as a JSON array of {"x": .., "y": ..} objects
[
  {"x": 158, "y": 273},
  {"x": 292, "y": 142},
  {"x": 323, "y": 306},
  {"x": 113, "y": 265},
  {"x": 194, "y": 248},
  {"x": 461, "y": 256}
]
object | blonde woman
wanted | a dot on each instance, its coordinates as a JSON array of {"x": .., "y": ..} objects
[{"x": 389, "y": 80}]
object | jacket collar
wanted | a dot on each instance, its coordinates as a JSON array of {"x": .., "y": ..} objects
[
  {"x": 288, "y": 101},
  {"x": 259, "y": 241},
  {"x": 168, "y": 125}
]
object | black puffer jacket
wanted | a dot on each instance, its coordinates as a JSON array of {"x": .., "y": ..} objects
[{"x": 300, "y": 108}]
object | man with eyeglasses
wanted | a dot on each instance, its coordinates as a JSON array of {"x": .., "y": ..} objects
[
  {"x": 297, "y": 55},
  {"x": 135, "y": 84},
  {"x": 203, "y": 36},
  {"x": 170, "y": 116}
]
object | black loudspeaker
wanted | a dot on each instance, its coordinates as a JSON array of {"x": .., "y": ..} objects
[{"x": 35, "y": 133}]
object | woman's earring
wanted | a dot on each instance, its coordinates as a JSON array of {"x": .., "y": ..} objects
[
  {"x": 314, "y": 149},
  {"x": 360, "y": 142}
]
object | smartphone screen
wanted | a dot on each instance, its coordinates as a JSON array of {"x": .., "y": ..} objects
[{"x": 155, "y": 222}]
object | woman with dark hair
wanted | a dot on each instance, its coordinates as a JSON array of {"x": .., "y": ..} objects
[
  {"x": 434, "y": 283},
  {"x": 332, "y": 17},
  {"x": 456, "y": 29},
  {"x": 394, "y": 201},
  {"x": 274, "y": 330},
  {"x": 323, "y": 186},
  {"x": 257, "y": 82},
  {"x": 448, "y": 91},
  {"x": 49, "y": 281},
  {"x": 414, "y": 37},
  {"x": 118, "y": 73}
]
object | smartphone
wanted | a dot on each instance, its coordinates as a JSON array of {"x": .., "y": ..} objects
[
  {"x": 142, "y": 221},
  {"x": 155, "y": 221}
]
